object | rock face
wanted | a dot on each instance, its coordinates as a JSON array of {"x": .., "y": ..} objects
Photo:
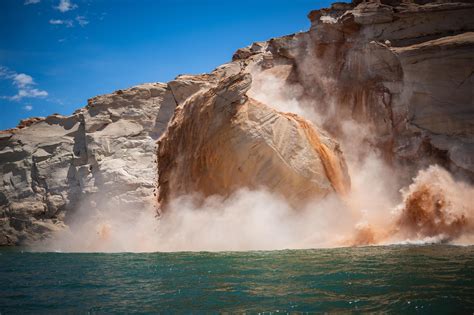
[
  {"x": 403, "y": 69},
  {"x": 102, "y": 155},
  {"x": 221, "y": 140},
  {"x": 53, "y": 166}
]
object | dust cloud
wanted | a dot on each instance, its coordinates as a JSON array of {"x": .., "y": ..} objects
[{"x": 377, "y": 210}]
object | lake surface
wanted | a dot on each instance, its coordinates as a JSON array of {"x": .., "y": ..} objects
[{"x": 397, "y": 279}]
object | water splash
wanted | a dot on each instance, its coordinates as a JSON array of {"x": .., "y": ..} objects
[{"x": 436, "y": 206}]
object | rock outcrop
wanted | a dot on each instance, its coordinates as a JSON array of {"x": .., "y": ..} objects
[
  {"x": 403, "y": 69},
  {"x": 53, "y": 166},
  {"x": 221, "y": 140}
]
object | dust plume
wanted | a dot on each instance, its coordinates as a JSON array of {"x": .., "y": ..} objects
[
  {"x": 105, "y": 226},
  {"x": 435, "y": 206},
  {"x": 433, "y": 209},
  {"x": 380, "y": 208}
]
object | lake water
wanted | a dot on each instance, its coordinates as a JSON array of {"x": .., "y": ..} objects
[{"x": 398, "y": 279}]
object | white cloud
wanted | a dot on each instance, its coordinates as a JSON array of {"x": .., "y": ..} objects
[
  {"x": 102, "y": 16},
  {"x": 82, "y": 20},
  {"x": 4, "y": 72},
  {"x": 28, "y": 108},
  {"x": 31, "y": 2},
  {"x": 22, "y": 80},
  {"x": 67, "y": 23},
  {"x": 66, "y": 5},
  {"x": 29, "y": 93}
]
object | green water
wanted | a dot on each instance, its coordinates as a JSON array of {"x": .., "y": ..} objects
[{"x": 397, "y": 279}]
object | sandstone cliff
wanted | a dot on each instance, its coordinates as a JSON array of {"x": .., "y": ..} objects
[
  {"x": 404, "y": 70},
  {"x": 221, "y": 140},
  {"x": 52, "y": 166}
]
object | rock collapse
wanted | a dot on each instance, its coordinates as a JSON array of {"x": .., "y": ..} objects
[
  {"x": 402, "y": 69},
  {"x": 220, "y": 141}
]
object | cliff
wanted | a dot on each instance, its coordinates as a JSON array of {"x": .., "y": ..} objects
[
  {"x": 54, "y": 166},
  {"x": 403, "y": 70},
  {"x": 221, "y": 140}
]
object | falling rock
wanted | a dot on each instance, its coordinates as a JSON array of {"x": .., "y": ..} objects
[
  {"x": 222, "y": 140},
  {"x": 101, "y": 155}
]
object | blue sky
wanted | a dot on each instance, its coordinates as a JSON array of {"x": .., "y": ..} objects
[{"x": 55, "y": 54}]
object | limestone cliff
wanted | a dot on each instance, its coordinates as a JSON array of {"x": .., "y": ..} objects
[{"x": 402, "y": 69}]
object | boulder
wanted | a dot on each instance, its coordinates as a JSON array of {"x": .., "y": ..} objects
[{"x": 222, "y": 140}]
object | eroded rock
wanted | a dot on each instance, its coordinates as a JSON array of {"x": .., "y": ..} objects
[
  {"x": 104, "y": 153},
  {"x": 221, "y": 140},
  {"x": 403, "y": 69}
]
